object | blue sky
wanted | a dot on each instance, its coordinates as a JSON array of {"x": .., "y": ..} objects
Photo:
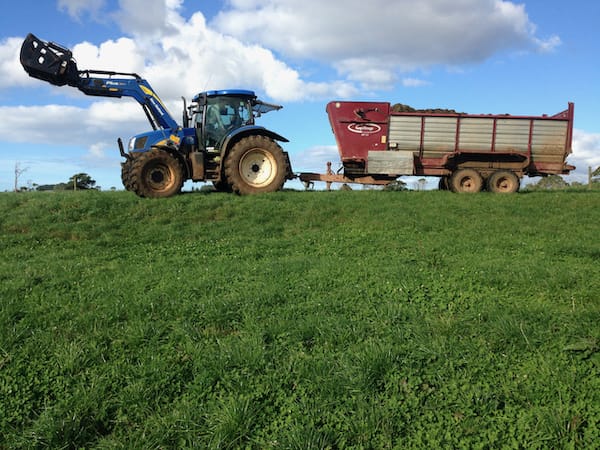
[{"x": 477, "y": 56}]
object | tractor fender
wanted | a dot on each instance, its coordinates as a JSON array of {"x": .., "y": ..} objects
[{"x": 250, "y": 130}]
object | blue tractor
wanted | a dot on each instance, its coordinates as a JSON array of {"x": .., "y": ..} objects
[{"x": 218, "y": 141}]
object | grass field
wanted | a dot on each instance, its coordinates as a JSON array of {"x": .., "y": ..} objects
[{"x": 300, "y": 320}]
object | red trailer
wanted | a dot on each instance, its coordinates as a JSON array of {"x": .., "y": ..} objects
[{"x": 469, "y": 152}]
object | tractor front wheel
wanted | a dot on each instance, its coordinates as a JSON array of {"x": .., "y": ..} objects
[
  {"x": 126, "y": 174},
  {"x": 255, "y": 165},
  {"x": 156, "y": 174}
]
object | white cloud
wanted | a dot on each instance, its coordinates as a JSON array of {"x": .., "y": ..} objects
[
  {"x": 181, "y": 57},
  {"x": 77, "y": 8},
  {"x": 150, "y": 18},
  {"x": 197, "y": 58},
  {"x": 548, "y": 45},
  {"x": 414, "y": 82},
  {"x": 368, "y": 44},
  {"x": 586, "y": 150},
  {"x": 101, "y": 155},
  {"x": 385, "y": 36},
  {"x": 102, "y": 122},
  {"x": 11, "y": 71},
  {"x": 90, "y": 133},
  {"x": 121, "y": 55},
  {"x": 314, "y": 159}
]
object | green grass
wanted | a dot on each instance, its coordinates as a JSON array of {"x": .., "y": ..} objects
[{"x": 300, "y": 320}]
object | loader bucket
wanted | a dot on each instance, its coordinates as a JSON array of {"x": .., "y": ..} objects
[{"x": 49, "y": 62}]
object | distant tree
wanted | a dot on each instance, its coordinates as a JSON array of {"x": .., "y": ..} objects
[
  {"x": 45, "y": 187},
  {"x": 62, "y": 187},
  {"x": 551, "y": 182},
  {"x": 81, "y": 181},
  {"x": 396, "y": 185}
]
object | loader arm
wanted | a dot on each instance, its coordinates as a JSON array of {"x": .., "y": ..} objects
[
  {"x": 54, "y": 64},
  {"x": 102, "y": 84}
]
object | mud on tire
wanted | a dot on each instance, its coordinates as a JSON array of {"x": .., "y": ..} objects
[
  {"x": 126, "y": 174},
  {"x": 503, "y": 182},
  {"x": 255, "y": 165},
  {"x": 466, "y": 181},
  {"x": 156, "y": 174}
]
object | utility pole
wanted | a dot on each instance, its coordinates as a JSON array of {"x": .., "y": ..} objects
[{"x": 589, "y": 177}]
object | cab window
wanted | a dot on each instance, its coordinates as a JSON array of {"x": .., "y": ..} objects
[{"x": 223, "y": 115}]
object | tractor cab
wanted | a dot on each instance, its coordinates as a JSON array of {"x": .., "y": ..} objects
[{"x": 218, "y": 114}]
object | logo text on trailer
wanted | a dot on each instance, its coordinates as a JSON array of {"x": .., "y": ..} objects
[{"x": 364, "y": 129}]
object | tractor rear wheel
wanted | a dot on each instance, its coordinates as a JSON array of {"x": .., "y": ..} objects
[
  {"x": 222, "y": 186},
  {"x": 255, "y": 165},
  {"x": 156, "y": 174},
  {"x": 466, "y": 180},
  {"x": 503, "y": 182}
]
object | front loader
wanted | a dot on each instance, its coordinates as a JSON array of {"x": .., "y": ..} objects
[{"x": 218, "y": 141}]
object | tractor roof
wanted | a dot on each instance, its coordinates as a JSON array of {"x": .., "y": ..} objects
[
  {"x": 258, "y": 106},
  {"x": 225, "y": 92}
]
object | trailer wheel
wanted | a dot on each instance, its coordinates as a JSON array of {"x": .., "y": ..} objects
[
  {"x": 503, "y": 182},
  {"x": 156, "y": 174},
  {"x": 255, "y": 165},
  {"x": 465, "y": 181}
]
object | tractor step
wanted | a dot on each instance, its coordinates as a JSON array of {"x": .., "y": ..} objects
[{"x": 49, "y": 62}]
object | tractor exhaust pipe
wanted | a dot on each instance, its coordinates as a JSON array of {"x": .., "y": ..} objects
[{"x": 125, "y": 155}]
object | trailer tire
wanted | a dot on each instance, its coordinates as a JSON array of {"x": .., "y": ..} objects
[
  {"x": 156, "y": 174},
  {"x": 503, "y": 182},
  {"x": 466, "y": 181},
  {"x": 255, "y": 165}
]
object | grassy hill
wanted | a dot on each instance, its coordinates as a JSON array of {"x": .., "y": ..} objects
[{"x": 300, "y": 320}]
